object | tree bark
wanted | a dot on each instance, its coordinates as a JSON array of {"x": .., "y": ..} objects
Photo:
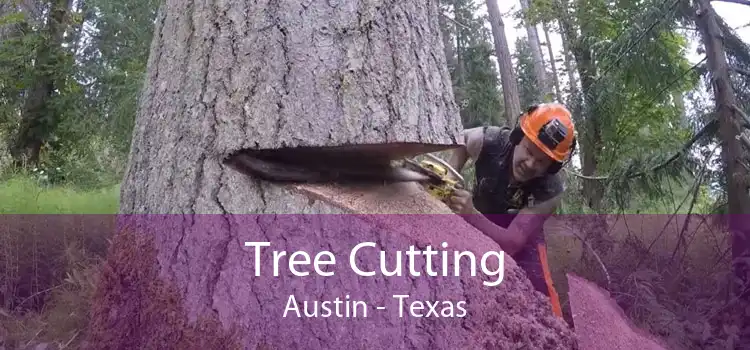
[
  {"x": 733, "y": 158},
  {"x": 284, "y": 77},
  {"x": 507, "y": 76},
  {"x": 569, "y": 68},
  {"x": 536, "y": 54},
  {"x": 292, "y": 74},
  {"x": 590, "y": 132},
  {"x": 553, "y": 64}
]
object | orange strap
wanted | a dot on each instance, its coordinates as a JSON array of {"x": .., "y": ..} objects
[{"x": 553, "y": 297}]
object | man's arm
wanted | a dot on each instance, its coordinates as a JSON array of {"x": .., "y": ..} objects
[
  {"x": 528, "y": 222},
  {"x": 473, "y": 139}
]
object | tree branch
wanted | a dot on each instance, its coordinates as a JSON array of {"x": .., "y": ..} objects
[
  {"x": 741, "y": 2},
  {"x": 707, "y": 129},
  {"x": 453, "y": 20},
  {"x": 745, "y": 119},
  {"x": 740, "y": 70}
]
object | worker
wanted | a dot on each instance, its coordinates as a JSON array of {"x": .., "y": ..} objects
[{"x": 516, "y": 174}]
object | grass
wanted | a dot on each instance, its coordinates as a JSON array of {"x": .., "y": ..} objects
[
  {"x": 49, "y": 263},
  {"x": 23, "y": 195}
]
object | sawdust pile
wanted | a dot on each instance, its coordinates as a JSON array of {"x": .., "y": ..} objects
[{"x": 144, "y": 305}]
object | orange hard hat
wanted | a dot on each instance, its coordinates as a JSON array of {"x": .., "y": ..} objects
[{"x": 550, "y": 127}]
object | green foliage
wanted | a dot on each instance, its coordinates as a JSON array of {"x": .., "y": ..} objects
[
  {"x": 528, "y": 87},
  {"x": 482, "y": 106},
  {"x": 16, "y": 70},
  {"x": 475, "y": 79},
  {"x": 639, "y": 63}
]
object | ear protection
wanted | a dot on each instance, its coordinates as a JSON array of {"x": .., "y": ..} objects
[{"x": 516, "y": 135}]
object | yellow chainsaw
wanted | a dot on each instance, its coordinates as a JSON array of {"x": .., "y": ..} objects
[{"x": 440, "y": 183}]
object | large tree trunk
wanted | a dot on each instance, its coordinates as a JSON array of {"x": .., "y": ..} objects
[
  {"x": 536, "y": 55},
  {"x": 733, "y": 156},
  {"x": 508, "y": 80},
  {"x": 293, "y": 74}
]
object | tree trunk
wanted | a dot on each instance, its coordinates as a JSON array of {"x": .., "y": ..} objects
[
  {"x": 536, "y": 54},
  {"x": 507, "y": 76},
  {"x": 733, "y": 157},
  {"x": 293, "y": 74},
  {"x": 38, "y": 117},
  {"x": 553, "y": 64},
  {"x": 448, "y": 48},
  {"x": 570, "y": 68},
  {"x": 590, "y": 133},
  {"x": 460, "y": 62}
]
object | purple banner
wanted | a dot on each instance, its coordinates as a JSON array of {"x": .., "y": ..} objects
[{"x": 319, "y": 280}]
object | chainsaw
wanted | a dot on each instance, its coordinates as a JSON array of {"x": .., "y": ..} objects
[
  {"x": 343, "y": 166},
  {"x": 440, "y": 183}
]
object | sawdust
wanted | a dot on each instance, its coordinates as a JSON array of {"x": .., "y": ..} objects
[
  {"x": 397, "y": 198},
  {"x": 601, "y": 324},
  {"x": 512, "y": 317}
]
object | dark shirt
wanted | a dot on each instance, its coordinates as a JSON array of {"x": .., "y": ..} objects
[{"x": 493, "y": 194}]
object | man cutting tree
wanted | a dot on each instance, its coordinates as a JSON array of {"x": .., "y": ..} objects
[{"x": 514, "y": 167}]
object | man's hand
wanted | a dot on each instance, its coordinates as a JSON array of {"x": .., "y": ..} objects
[{"x": 461, "y": 202}]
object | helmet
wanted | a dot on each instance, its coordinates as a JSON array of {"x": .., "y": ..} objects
[{"x": 550, "y": 127}]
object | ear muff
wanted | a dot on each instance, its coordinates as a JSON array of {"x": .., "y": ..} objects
[
  {"x": 557, "y": 166},
  {"x": 516, "y": 135}
]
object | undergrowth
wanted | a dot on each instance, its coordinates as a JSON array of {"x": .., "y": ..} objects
[
  {"x": 49, "y": 263},
  {"x": 675, "y": 288}
]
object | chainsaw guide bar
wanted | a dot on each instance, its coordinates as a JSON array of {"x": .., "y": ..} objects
[
  {"x": 319, "y": 165},
  {"x": 321, "y": 168}
]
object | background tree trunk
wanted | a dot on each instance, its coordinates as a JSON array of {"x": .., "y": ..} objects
[
  {"x": 508, "y": 78},
  {"x": 570, "y": 69},
  {"x": 553, "y": 64},
  {"x": 292, "y": 75},
  {"x": 734, "y": 159},
  {"x": 37, "y": 117},
  {"x": 536, "y": 54},
  {"x": 448, "y": 45}
]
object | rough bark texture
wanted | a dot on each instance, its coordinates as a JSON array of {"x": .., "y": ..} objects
[
  {"x": 293, "y": 74},
  {"x": 733, "y": 156},
  {"x": 239, "y": 75},
  {"x": 511, "y": 97},
  {"x": 536, "y": 54}
]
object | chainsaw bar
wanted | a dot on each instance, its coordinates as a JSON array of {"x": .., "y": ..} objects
[{"x": 323, "y": 169}]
